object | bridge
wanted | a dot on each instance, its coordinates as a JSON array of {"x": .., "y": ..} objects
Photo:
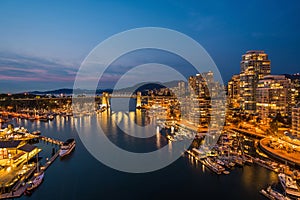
[{"x": 104, "y": 98}]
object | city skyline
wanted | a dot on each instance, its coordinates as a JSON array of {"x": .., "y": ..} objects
[
  {"x": 149, "y": 99},
  {"x": 42, "y": 44}
]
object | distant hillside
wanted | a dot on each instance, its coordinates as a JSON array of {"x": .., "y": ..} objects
[
  {"x": 58, "y": 91},
  {"x": 141, "y": 87},
  {"x": 68, "y": 91}
]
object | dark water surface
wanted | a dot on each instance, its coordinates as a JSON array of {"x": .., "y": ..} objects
[{"x": 81, "y": 176}]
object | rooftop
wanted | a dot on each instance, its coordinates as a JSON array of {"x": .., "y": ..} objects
[{"x": 10, "y": 144}]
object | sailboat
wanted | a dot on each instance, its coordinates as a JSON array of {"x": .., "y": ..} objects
[{"x": 39, "y": 176}]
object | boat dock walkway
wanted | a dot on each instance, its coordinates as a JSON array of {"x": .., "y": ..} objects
[
  {"x": 50, "y": 161},
  {"x": 16, "y": 194},
  {"x": 51, "y": 140}
]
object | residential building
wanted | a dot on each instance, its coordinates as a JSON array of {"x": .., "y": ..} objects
[
  {"x": 254, "y": 66},
  {"x": 233, "y": 92},
  {"x": 296, "y": 121},
  {"x": 205, "y": 92},
  {"x": 273, "y": 96},
  {"x": 295, "y": 88}
]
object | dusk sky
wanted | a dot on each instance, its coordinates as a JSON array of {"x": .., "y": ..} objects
[{"x": 42, "y": 43}]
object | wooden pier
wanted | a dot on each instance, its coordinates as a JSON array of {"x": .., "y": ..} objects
[
  {"x": 50, "y": 161},
  {"x": 51, "y": 140}
]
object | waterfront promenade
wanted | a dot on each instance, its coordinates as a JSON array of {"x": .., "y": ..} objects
[
  {"x": 246, "y": 132},
  {"x": 279, "y": 152}
]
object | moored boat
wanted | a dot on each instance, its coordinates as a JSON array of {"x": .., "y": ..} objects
[
  {"x": 36, "y": 181},
  {"x": 226, "y": 172},
  {"x": 276, "y": 194},
  {"x": 266, "y": 194},
  {"x": 289, "y": 185},
  {"x": 50, "y": 117},
  {"x": 67, "y": 147},
  {"x": 37, "y": 132}
]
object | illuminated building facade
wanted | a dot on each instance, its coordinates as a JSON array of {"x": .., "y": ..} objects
[
  {"x": 295, "y": 89},
  {"x": 181, "y": 89},
  {"x": 273, "y": 96},
  {"x": 204, "y": 92},
  {"x": 200, "y": 100},
  {"x": 15, "y": 152},
  {"x": 254, "y": 66},
  {"x": 233, "y": 91},
  {"x": 296, "y": 121}
]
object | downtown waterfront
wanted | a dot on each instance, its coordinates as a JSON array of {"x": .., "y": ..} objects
[{"x": 80, "y": 176}]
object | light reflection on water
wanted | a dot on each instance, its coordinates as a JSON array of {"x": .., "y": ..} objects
[
  {"x": 80, "y": 176},
  {"x": 158, "y": 145},
  {"x": 203, "y": 168},
  {"x": 170, "y": 146}
]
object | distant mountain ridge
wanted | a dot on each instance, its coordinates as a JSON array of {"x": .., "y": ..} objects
[
  {"x": 141, "y": 87},
  {"x": 68, "y": 91}
]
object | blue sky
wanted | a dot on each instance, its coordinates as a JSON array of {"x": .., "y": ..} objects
[{"x": 42, "y": 43}]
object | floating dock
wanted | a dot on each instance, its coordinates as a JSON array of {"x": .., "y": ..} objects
[{"x": 51, "y": 140}]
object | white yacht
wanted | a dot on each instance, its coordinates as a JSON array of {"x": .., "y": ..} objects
[
  {"x": 289, "y": 185},
  {"x": 277, "y": 195},
  {"x": 67, "y": 147}
]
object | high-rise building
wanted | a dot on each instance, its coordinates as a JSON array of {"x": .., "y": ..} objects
[
  {"x": 200, "y": 100},
  {"x": 273, "y": 96},
  {"x": 254, "y": 66},
  {"x": 205, "y": 99},
  {"x": 296, "y": 121},
  {"x": 295, "y": 88},
  {"x": 233, "y": 91},
  {"x": 181, "y": 89}
]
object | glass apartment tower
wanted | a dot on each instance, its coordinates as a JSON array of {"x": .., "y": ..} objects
[{"x": 254, "y": 66}]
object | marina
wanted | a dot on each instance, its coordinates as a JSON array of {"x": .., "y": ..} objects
[
  {"x": 149, "y": 100},
  {"x": 220, "y": 163},
  {"x": 233, "y": 151},
  {"x": 273, "y": 195},
  {"x": 289, "y": 185},
  {"x": 33, "y": 177},
  {"x": 48, "y": 134}
]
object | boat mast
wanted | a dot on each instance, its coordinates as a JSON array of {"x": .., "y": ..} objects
[{"x": 37, "y": 163}]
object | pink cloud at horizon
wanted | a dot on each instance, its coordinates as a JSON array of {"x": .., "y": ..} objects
[{"x": 40, "y": 71}]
